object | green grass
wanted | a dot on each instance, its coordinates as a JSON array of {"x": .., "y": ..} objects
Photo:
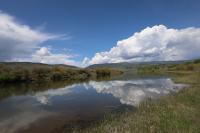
[{"x": 177, "y": 113}]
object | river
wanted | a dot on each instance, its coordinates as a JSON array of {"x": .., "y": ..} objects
[{"x": 52, "y": 108}]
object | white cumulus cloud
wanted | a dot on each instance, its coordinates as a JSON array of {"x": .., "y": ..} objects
[
  {"x": 20, "y": 42},
  {"x": 44, "y": 55},
  {"x": 157, "y": 43},
  {"x": 17, "y": 40}
]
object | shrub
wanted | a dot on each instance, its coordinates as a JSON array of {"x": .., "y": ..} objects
[{"x": 197, "y": 61}]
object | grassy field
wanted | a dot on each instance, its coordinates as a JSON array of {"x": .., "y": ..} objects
[{"x": 175, "y": 113}]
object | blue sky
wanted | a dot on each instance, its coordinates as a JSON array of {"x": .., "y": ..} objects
[{"x": 94, "y": 26}]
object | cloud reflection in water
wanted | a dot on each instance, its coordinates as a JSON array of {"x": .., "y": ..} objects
[{"x": 132, "y": 92}]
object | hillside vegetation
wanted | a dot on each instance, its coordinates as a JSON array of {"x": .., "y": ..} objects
[
  {"x": 28, "y": 72},
  {"x": 135, "y": 65},
  {"x": 164, "y": 69}
]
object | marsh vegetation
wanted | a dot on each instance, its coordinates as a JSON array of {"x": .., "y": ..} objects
[
  {"x": 173, "y": 113},
  {"x": 41, "y": 73}
]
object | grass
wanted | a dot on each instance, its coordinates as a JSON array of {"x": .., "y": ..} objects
[{"x": 177, "y": 113}]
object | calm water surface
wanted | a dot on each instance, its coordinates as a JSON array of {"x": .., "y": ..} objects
[{"x": 31, "y": 109}]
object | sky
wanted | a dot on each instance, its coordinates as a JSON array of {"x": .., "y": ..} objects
[{"x": 81, "y": 33}]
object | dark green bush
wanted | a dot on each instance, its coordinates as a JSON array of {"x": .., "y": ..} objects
[{"x": 197, "y": 61}]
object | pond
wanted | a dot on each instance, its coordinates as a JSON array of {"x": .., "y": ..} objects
[{"x": 50, "y": 108}]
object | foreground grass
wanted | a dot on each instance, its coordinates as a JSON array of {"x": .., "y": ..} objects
[{"x": 177, "y": 113}]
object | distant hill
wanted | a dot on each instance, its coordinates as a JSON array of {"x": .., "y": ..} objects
[
  {"x": 31, "y": 65},
  {"x": 126, "y": 65},
  {"x": 122, "y": 65}
]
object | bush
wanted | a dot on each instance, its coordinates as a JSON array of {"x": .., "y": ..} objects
[
  {"x": 103, "y": 72},
  {"x": 48, "y": 73},
  {"x": 197, "y": 61}
]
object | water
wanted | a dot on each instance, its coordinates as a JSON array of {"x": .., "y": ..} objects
[{"x": 50, "y": 108}]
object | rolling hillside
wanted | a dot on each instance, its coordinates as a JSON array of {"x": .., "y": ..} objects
[
  {"x": 28, "y": 65},
  {"x": 127, "y": 66}
]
